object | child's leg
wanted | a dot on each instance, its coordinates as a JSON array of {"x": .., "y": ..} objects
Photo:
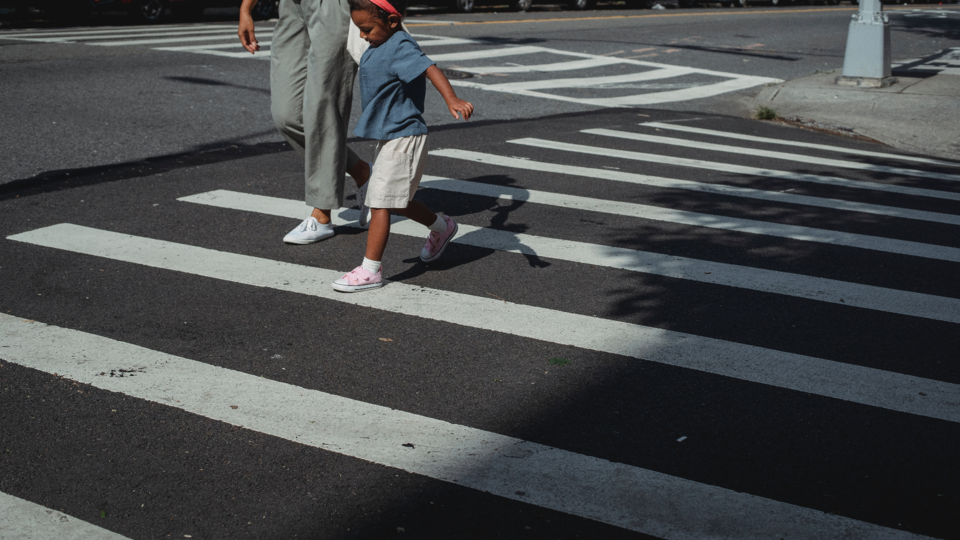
[
  {"x": 378, "y": 234},
  {"x": 418, "y": 212}
]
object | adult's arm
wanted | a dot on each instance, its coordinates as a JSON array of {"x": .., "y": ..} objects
[{"x": 247, "y": 37}]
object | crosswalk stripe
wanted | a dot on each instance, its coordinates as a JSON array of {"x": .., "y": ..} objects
[
  {"x": 731, "y": 168},
  {"x": 581, "y": 82},
  {"x": 848, "y": 382},
  {"x": 24, "y": 520},
  {"x": 424, "y": 40},
  {"x": 770, "y": 140},
  {"x": 733, "y": 84},
  {"x": 626, "y": 496},
  {"x": 190, "y": 48},
  {"x": 90, "y": 40},
  {"x": 485, "y": 53},
  {"x": 125, "y": 30},
  {"x": 645, "y": 262},
  {"x": 211, "y": 50},
  {"x": 806, "y": 234},
  {"x": 703, "y": 187},
  {"x": 699, "y": 145},
  {"x": 544, "y": 68},
  {"x": 212, "y": 37}
]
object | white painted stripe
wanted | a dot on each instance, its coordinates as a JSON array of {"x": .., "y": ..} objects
[
  {"x": 652, "y": 98},
  {"x": 24, "y": 520},
  {"x": 261, "y": 55},
  {"x": 794, "y": 232},
  {"x": 731, "y": 168},
  {"x": 866, "y": 386},
  {"x": 768, "y": 140},
  {"x": 757, "y": 279},
  {"x": 545, "y": 68},
  {"x": 92, "y": 39},
  {"x": 630, "y": 497},
  {"x": 424, "y": 40},
  {"x": 717, "y": 189},
  {"x": 583, "y": 82},
  {"x": 191, "y": 48},
  {"x": 699, "y": 145},
  {"x": 126, "y": 30},
  {"x": 485, "y": 53},
  {"x": 167, "y": 40}
]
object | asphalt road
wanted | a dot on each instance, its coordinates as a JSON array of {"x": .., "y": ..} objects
[
  {"x": 72, "y": 105},
  {"x": 647, "y": 327}
]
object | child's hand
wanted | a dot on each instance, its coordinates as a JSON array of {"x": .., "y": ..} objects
[{"x": 457, "y": 105}]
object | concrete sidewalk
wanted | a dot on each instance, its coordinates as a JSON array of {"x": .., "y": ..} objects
[{"x": 920, "y": 113}]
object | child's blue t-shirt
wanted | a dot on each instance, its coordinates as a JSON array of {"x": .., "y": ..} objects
[{"x": 392, "y": 89}]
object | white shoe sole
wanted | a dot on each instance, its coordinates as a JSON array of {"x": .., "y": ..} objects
[
  {"x": 304, "y": 241},
  {"x": 356, "y": 288}
]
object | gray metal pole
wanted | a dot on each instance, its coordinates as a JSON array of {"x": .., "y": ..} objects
[{"x": 867, "y": 60}]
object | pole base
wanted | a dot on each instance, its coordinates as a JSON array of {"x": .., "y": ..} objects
[{"x": 866, "y": 82}]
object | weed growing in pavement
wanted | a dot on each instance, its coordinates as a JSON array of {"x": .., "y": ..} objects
[{"x": 764, "y": 113}]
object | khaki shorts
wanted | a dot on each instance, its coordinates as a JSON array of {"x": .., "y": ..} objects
[{"x": 396, "y": 172}]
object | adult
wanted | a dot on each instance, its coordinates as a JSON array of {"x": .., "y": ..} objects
[{"x": 311, "y": 91}]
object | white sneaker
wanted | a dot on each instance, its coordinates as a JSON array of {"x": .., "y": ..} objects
[
  {"x": 364, "y": 209},
  {"x": 308, "y": 232}
]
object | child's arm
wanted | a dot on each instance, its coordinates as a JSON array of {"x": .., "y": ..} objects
[{"x": 442, "y": 85}]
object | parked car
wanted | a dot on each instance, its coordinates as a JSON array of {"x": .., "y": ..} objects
[{"x": 146, "y": 11}]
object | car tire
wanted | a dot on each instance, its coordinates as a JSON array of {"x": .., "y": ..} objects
[
  {"x": 265, "y": 9},
  {"x": 726, "y": 4},
  {"x": 684, "y": 4},
  {"x": 580, "y": 5},
  {"x": 521, "y": 5},
  {"x": 463, "y": 6},
  {"x": 148, "y": 11}
]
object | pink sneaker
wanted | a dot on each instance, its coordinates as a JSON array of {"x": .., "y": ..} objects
[
  {"x": 359, "y": 279},
  {"x": 436, "y": 242}
]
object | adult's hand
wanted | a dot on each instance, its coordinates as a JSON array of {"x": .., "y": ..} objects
[{"x": 247, "y": 37}]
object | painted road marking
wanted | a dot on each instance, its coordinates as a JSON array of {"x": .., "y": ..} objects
[
  {"x": 127, "y": 30},
  {"x": 158, "y": 41},
  {"x": 773, "y": 155},
  {"x": 768, "y": 140},
  {"x": 24, "y": 520},
  {"x": 486, "y": 53},
  {"x": 945, "y": 62},
  {"x": 732, "y": 82},
  {"x": 586, "y": 82},
  {"x": 645, "y": 262},
  {"x": 848, "y": 382},
  {"x": 728, "y": 167},
  {"x": 630, "y": 497},
  {"x": 89, "y": 39},
  {"x": 657, "y": 213},
  {"x": 543, "y": 68},
  {"x": 716, "y": 189}
]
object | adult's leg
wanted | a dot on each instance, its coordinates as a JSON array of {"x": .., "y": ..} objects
[
  {"x": 327, "y": 98},
  {"x": 288, "y": 72},
  {"x": 289, "y": 68}
]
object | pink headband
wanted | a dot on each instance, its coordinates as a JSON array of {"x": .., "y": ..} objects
[{"x": 386, "y": 6}]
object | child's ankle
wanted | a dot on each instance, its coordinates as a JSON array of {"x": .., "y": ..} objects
[{"x": 371, "y": 266}]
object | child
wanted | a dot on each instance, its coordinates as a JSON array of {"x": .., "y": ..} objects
[{"x": 393, "y": 73}]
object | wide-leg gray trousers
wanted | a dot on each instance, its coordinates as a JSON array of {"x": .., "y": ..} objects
[{"x": 311, "y": 91}]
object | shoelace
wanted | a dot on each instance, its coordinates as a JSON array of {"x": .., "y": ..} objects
[{"x": 306, "y": 223}]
